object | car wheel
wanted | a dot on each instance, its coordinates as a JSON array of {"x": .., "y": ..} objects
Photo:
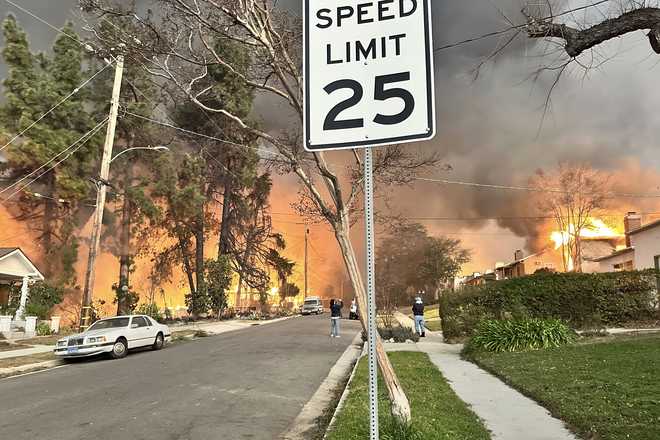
[
  {"x": 159, "y": 342},
  {"x": 119, "y": 349}
]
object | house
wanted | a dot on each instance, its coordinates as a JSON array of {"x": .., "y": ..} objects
[
  {"x": 642, "y": 247},
  {"x": 526, "y": 265},
  {"x": 16, "y": 268},
  {"x": 478, "y": 279}
]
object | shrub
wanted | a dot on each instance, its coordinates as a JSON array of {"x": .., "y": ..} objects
[
  {"x": 150, "y": 310},
  {"x": 519, "y": 335},
  {"x": 585, "y": 301},
  {"x": 398, "y": 333},
  {"x": 42, "y": 298},
  {"x": 43, "y": 329}
]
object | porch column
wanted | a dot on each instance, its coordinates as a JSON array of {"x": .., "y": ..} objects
[{"x": 24, "y": 297}]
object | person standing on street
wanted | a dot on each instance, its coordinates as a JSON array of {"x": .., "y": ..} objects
[
  {"x": 335, "y": 316},
  {"x": 354, "y": 311},
  {"x": 418, "y": 312}
]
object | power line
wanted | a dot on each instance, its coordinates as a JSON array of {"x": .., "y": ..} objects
[
  {"x": 514, "y": 27},
  {"x": 89, "y": 135},
  {"x": 62, "y": 101},
  {"x": 526, "y": 188},
  {"x": 32, "y": 14},
  {"x": 508, "y": 218},
  {"x": 52, "y": 159},
  {"x": 193, "y": 133}
]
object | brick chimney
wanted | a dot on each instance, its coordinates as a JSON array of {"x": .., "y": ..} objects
[
  {"x": 631, "y": 221},
  {"x": 518, "y": 255}
]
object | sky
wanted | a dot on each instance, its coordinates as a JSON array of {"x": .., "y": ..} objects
[{"x": 488, "y": 127}]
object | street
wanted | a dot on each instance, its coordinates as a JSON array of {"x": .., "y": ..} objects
[{"x": 248, "y": 384}]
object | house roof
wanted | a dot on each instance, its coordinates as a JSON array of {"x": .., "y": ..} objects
[
  {"x": 6, "y": 252},
  {"x": 513, "y": 263},
  {"x": 615, "y": 254},
  {"x": 645, "y": 227}
]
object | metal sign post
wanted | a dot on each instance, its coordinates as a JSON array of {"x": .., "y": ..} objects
[
  {"x": 368, "y": 81},
  {"x": 371, "y": 292}
]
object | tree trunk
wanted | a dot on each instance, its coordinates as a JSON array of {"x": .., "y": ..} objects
[
  {"x": 199, "y": 254},
  {"x": 227, "y": 200},
  {"x": 400, "y": 403},
  {"x": 187, "y": 267},
  {"x": 125, "y": 246},
  {"x": 49, "y": 220},
  {"x": 239, "y": 291}
]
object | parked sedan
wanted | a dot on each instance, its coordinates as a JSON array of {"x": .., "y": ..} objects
[{"x": 115, "y": 336}]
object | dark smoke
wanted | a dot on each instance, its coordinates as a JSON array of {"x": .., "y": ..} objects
[{"x": 488, "y": 128}]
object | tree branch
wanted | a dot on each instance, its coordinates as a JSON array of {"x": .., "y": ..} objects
[{"x": 577, "y": 41}]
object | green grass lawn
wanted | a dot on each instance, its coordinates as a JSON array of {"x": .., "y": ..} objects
[
  {"x": 437, "y": 412},
  {"x": 605, "y": 389}
]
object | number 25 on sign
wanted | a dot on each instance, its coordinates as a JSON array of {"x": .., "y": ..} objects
[{"x": 368, "y": 73}]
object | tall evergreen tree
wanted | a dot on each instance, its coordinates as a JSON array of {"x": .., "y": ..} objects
[{"x": 35, "y": 83}]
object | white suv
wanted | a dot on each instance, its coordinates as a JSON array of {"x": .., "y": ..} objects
[{"x": 312, "y": 305}]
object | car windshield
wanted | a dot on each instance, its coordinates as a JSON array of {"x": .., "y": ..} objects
[
  {"x": 311, "y": 302},
  {"x": 109, "y": 323}
]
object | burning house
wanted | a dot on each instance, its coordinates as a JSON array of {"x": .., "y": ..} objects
[{"x": 641, "y": 251}]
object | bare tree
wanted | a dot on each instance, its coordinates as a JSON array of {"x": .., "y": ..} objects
[
  {"x": 178, "y": 46},
  {"x": 623, "y": 17},
  {"x": 573, "y": 194}
]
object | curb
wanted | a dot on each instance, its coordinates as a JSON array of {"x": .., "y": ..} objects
[
  {"x": 344, "y": 394},
  {"x": 28, "y": 368},
  {"x": 314, "y": 409}
]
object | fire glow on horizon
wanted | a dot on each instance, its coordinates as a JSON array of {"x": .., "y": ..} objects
[{"x": 596, "y": 228}]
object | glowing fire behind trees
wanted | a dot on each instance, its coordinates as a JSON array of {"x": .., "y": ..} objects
[
  {"x": 573, "y": 194},
  {"x": 566, "y": 240}
]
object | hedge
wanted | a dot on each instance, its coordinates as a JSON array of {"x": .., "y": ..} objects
[{"x": 582, "y": 300}]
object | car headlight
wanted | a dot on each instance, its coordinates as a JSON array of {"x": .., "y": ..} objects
[
  {"x": 62, "y": 343},
  {"x": 97, "y": 339}
]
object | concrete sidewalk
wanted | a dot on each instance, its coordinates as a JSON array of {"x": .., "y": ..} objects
[
  {"x": 506, "y": 413},
  {"x": 219, "y": 327},
  {"x": 37, "y": 349}
]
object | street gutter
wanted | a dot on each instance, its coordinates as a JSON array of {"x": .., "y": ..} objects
[
  {"x": 323, "y": 398},
  {"x": 6, "y": 373}
]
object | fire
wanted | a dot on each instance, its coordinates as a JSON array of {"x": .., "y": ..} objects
[{"x": 595, "y": 229}]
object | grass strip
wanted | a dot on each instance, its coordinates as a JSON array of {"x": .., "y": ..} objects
[{"x": 437, "y": 412}]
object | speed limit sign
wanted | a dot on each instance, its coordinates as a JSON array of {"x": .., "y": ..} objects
[{"x": 368, "y": 69}]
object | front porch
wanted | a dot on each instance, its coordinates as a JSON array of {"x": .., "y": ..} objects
[{"x": 16, "y": 269}]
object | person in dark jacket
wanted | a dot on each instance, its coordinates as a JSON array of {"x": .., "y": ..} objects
[
  {"x": 418, "y": 312},
  {"x": 335, "y": 316}
]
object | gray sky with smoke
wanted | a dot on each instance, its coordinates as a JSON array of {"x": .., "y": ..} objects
[{"x": 487, "y": 128}]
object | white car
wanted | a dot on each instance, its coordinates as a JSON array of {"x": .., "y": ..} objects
[
  {"x": 115, "y": 336},
  {"x": 312, "y": 305}
]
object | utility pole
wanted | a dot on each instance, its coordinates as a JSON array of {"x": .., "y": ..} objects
[
  {"x": 100, "y": 196},
  {"x": 306, "y": 259}
]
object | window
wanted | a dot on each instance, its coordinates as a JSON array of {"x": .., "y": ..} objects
[
  {"x": 140, "y": 321},
  {"x": 109, "y": 323},
  {"x": 624, "y": 267}
]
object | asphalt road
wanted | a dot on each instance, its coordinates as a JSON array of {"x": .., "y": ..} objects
[{"x": 248, "y": 384}]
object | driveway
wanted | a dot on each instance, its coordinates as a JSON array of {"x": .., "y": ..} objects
[{"x": 247, "y": 384}]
